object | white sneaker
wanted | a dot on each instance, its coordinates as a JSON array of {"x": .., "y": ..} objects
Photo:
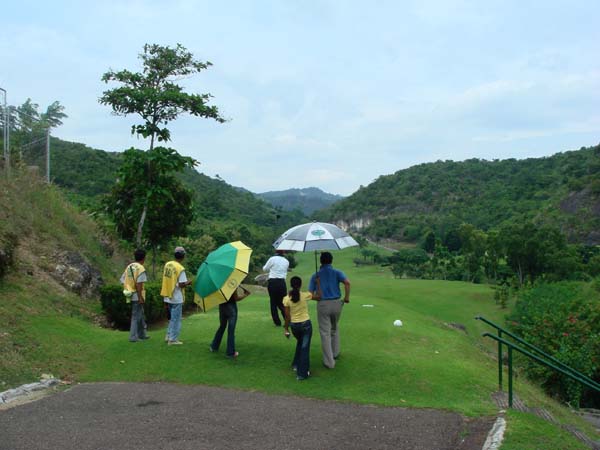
[{"x": 175, "y": 343}]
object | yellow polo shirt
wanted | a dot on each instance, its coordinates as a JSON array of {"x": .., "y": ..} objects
[{"x": 298, "y": 310}]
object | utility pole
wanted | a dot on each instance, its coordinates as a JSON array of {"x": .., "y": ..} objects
[
  {"x": 48, "y": 154},
  {"x": 6, "y": 134}
]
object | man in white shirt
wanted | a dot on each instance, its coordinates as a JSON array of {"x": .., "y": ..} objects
[{"x": 277, "y": 266}]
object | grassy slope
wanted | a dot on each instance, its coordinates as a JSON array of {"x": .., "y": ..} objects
[{"x": 44, "y": 224}]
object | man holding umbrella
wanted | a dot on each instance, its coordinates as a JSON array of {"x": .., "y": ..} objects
[
  {"x": 315, "y": 236},
  {"x": 329, "y": 308}
]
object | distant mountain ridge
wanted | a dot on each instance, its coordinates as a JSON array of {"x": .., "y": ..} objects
[{"x": 308, "y": 200}]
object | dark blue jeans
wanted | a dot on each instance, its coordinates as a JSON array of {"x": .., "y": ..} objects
[
  {"x": 302, "y": 331},
  {"x": 227, "y": 319}
]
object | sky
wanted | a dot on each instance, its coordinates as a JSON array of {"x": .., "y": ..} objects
[{"x": 324, "y": 93}]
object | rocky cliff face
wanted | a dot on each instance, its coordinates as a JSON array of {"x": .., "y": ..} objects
[
  {"x": 354, "y": 224},
  {"x": 584, "y": 205}
]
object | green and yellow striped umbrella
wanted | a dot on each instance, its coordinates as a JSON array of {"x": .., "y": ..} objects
[{"x": 220, "y": 275}]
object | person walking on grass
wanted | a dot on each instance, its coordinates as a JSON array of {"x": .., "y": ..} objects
[
  {"x": 133, "y": 280},
  {"x": 329, "y": 308},
  {"x": 174, "y": 281},
  {"x": 228, "y": 312},
  {"x": 296, "y": 315},
  {"x": 277, "y": 266}
]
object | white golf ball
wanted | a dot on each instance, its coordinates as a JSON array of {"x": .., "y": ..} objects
[{"x": 397, "y": 323}]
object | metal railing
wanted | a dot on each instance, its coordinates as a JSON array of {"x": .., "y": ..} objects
[{"x": 545, "y": 359}]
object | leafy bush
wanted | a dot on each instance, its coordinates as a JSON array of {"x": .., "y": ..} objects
[
  {"x": 118, "y": 310},
  {"x": 563, "y": 319},
  {"x": 8, "y": 243}
]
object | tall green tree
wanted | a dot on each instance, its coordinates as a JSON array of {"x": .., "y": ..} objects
[
  {"x": 27, "y": 116},
  {"x": 54, "y": 115},
  {"x": 154, "y": 95},
  {"x": 532, "y": 251},
  {"x": 473, "y": 248}
]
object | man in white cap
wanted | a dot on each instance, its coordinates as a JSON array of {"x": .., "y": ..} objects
[{"x": 174, "y": 282}]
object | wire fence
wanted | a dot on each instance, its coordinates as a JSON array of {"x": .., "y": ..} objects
[{"x": 25, "y": 142}]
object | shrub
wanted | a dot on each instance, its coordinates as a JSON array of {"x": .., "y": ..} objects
[
  {"x": 563, "y": 319},
  {"x": 8, "y": 243},
  {"x": 118, "y": 310}
]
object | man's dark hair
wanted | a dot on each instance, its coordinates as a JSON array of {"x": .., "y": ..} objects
[
  {"x": 179, "y": 255},
  {"x": 326, "y": 258},
  {"x": 139, "y": 254}
]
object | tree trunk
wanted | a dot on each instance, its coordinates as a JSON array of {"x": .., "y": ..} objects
[
  {"x": 138, "y": 236},
  {"x": 154, "y": 261},
  {"x": 520, "y": 273}
]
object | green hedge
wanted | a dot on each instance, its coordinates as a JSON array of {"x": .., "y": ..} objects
[{"x": 118, "y": 311}]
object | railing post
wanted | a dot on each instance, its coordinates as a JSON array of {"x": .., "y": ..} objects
[
  {"x": 500, "y": 361},
  {"x": 510, "y": 377}
]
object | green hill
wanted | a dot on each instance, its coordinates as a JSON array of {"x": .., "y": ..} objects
[
  {"x": 91, "y": 173},
  {"x": 562, "y": 189},
  {"x": 53, "y": 259}
]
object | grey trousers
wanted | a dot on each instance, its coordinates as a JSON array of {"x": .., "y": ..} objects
[
  {"x": 138, "y": 322},
  {"x": 328, "y": 315}
]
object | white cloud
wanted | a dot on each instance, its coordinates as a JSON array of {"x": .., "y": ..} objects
[{"x": 362, "y": 89}]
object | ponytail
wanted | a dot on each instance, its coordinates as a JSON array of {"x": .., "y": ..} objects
[{"x": 294, "y": 294}]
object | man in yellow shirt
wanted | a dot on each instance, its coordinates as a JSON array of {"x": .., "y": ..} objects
[
  {"x": 174, "y": 282},
  {"x": 133, "y": 280}
]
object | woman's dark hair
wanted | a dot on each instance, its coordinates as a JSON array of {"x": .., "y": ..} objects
[{"x": 296, "y": 283}]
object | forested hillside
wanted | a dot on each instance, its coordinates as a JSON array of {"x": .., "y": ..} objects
[
  {"x": 222, "y": 212},
  {"x": 307, "y": 200},
  {"x": 562, "y": 190},
  {"x": 91, "y": 173},
  {"x": 81, "y": 169}
]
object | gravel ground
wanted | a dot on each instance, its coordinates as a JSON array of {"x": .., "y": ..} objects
[{"x": 165, "y": 416}]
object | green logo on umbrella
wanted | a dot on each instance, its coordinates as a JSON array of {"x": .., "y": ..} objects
[{"x": 317, "y": 233}]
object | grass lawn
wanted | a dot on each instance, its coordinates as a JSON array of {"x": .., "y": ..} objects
[{"x": 426, "y": 363}]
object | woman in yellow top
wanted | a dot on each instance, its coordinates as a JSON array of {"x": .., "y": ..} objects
[{"x": 296, "y": 313}]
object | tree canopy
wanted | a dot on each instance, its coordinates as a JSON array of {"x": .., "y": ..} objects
[{"x": 154, "y": 95}]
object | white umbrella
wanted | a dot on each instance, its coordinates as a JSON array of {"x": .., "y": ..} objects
[{"x": 314, "y": 236}]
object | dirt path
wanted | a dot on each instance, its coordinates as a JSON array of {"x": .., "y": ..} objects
[{"x": 167, "y": 416}]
